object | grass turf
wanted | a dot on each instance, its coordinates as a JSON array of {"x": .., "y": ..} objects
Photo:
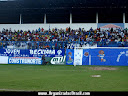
[{"x": 62, "y": 78}]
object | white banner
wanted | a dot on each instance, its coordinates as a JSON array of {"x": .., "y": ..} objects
[
  {"x": 58, "y": 60},
  {"x": 3, "y": 59},
  {"x": 78, "y": 55}
]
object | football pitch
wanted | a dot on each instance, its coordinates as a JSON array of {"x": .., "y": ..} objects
[{"x": 63, "y": 78}]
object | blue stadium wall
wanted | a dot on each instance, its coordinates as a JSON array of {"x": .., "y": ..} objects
[{"x": 100, "y": 56}]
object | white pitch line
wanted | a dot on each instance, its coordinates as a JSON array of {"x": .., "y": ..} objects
[{"x": 10, "y": 90}]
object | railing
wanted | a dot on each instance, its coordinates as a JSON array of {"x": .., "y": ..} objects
[{"x": 58, "y": 44}]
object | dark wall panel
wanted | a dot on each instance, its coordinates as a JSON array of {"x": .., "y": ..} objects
[
  {"x": 9, "y": 17},
  {"x": 110, "y": 16},
  {"x": 32, "y": 16},
  {"x": 58, "y": 16},
  {"x": 83, "y": 16}
]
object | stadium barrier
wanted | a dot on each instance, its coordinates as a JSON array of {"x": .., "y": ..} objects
[
  {"x": 3, "y": 59},
  {"x": 30, "y": 56},
  {"x": 97, "y": 56},
  {"x": 110, "y": 56},
  {"x": 58, "y": 44}
]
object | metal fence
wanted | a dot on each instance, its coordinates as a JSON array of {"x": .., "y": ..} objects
[{"x": 58, "y": 44}]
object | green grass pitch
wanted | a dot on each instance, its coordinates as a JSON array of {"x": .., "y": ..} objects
[{"x": 62, "y": 78}]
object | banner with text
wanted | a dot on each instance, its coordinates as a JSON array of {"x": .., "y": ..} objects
[
  {"x": 25, "y": 60},
  {"x": 31, "y": 53}
]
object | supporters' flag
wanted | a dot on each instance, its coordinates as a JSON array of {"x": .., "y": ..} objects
[
  {"x": 78, "y": 55},
  {"x": 85, "y": 59},
  {"x": 70, "y": 56}
]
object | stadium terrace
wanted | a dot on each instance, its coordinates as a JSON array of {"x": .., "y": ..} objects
[{"x": 63, "y": 38}]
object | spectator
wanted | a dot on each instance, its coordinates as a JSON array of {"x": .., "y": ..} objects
[
  {"x": 55, "y": 35},
  {"x": 43, "y": 60}
]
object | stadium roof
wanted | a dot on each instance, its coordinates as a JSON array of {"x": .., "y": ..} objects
[
  {"x": 10, "y": 10},
  {"x": 62, "y": 4}
]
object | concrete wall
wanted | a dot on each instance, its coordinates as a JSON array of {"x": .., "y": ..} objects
[
  {"x": 86, "y": 26},
  {"x": 126, "y": 25}
]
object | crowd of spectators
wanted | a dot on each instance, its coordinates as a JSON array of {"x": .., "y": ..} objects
[{"x": 42, "y": 38}]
